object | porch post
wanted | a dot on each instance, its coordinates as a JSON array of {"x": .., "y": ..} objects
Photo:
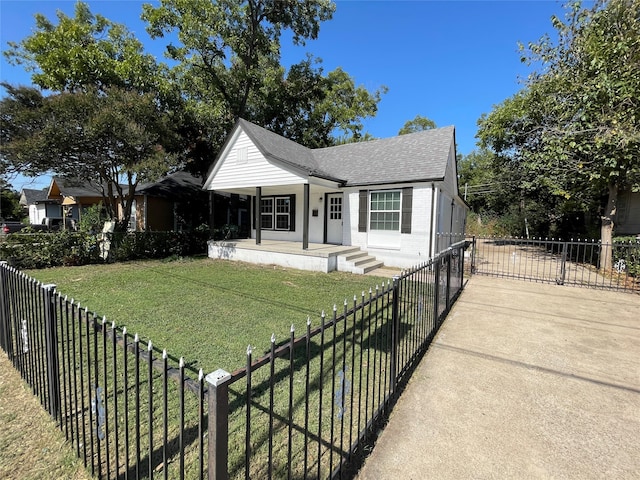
[
  {"x": 305, "y": 222},
  {"x": 256, "y": 215}
]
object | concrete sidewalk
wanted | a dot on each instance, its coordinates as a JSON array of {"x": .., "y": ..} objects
[{"x": 524, "y": 380}]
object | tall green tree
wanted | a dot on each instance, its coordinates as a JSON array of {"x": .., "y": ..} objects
[
  {"x": 418, "y": 124},
  {"x": 83, "y": 52},
  {"x": 575, "y": 127},
  {"x": 10, "y": 208},
  {"x": 108, "y": 122},
  {"x": 228, "y": 66},
  {"x": 113, "y": 141}
]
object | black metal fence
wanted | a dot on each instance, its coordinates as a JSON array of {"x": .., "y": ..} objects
[
  {"x": 308, "y": 408},
  {"x": 128, "y": 410},
  {"x": 584, "y": 263}
]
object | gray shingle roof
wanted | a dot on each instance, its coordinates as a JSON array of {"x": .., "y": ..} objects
[
  {"x": 178, "y": 185},
  {"x": 33, "y": 196},
  {"x": 420, "y": 156}
]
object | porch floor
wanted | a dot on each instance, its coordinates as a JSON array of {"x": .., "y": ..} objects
[
  {"x": 292, "y": 248},
  {"x": 318, "y": 257}
]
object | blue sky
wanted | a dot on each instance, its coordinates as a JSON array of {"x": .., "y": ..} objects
[{"x": 450, "y": 61}]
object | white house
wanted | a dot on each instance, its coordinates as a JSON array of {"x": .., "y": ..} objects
[
  {"x": 387, "y": 198},
  {"x": 39, "y": 205}
]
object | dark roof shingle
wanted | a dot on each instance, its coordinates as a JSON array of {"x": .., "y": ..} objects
[{"x": 420, "y": 156}]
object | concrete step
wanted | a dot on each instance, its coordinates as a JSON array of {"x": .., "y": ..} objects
[
  {"x": 363, "y": 259},
  {"x": 350, "y": 257},
  {"x": 359, "y": 262},
  {"x": 369, "y": 266}
]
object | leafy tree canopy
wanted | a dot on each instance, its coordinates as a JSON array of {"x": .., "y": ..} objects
[
  {"x": 10, "y": 208},
  {"x": 84, "y": 52},
  {"x": 418, "y": 124},
  {"x": 111, "y": 121},
  {"x": 228, "y": 55},
  {"x": 574, "y": 130},
  {"x": 114, "y": 141}
]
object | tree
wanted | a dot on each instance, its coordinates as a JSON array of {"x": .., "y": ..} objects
[
  {"x": 228, "y": 55},
  {"x": 307, "y": 106},
  {"x": 10, "y": 208},
  {"x": 111, "y": 121},
  {"x": 105, "y": 140},
  {"x": 85, "y": 52},
  {"x": 418, "y": 124},
  {"x": 575, "y": 127}
]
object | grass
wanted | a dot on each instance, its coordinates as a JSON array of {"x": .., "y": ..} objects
[
  {"x": 206, "y": 310},
  {"x": 42, "y": 453},
  {"x": 209, "y": 311}
]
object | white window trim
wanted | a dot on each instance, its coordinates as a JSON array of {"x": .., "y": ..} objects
[
  {"x": 274, "y": 214},
  {"x": 399, "y": 211}
]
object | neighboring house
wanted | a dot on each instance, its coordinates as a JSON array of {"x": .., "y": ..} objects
[
  {"x": 74, "y": 195},
  {"x": 39, "y": 205},
  {"x": 628, "y": 216},
  {"x": 390, "y": 196},
  {"x": 175, "y": 202}
]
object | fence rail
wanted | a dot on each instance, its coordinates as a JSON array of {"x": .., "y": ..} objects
[
  {"x": 126, "y": 408},
  {"x": 584, "y": 263},
  {"x": 308, "y": 408}
]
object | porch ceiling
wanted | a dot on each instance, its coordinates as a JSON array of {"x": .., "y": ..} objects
[{"x": 314, "y": 184}]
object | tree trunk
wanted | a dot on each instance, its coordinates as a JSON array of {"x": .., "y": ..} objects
[{"x": 606, "y": 228}]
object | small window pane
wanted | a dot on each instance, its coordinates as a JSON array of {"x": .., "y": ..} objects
[
  {"x": 282, "y": 222},
  {"x": 266, "y": 222}
]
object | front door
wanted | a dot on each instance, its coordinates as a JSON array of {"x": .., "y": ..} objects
[{"x": 334, "y": 218}]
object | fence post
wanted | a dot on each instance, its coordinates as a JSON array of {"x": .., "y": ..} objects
[
  {"x": 448, "y": 285},
  {"x": 473, "y": 257},
  {"x": 395, "y": 331},
  {"x": 461, "y": 250},
  {"x": 53, "y": 365},
  {"x": 436, "y": 287},
  {"x": 563, "y": 265},
  {"x": 218, "y": 428},
  {"x": 4, "y": 309}
]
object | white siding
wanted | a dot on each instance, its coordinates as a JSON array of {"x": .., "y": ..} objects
[
  {"x": 316, "y": 224},
  {"x": 414, "y": 246},
  {"x": 249, "y": 168}
]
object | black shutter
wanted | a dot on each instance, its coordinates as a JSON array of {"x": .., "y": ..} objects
[
  {"x": 363, "y": 210},
  {"x": 292, "y": 213},
  {"x": 407, "y": 203}
]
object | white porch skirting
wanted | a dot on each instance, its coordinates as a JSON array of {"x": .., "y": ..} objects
[{"x": 318, "y": 257}]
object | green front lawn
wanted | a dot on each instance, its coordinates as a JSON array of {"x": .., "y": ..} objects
[{"x": 205, "y": 310}]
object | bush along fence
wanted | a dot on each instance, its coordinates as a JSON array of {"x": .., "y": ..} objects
[
  {"x": 583, "y": 263},
  {"x": 308, "y": 408},
  {"x": 42, "y": 250}
]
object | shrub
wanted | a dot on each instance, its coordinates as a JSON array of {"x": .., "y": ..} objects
[
  {"x": 626, "y": 255},
  {"x": 42, "y": 250}
]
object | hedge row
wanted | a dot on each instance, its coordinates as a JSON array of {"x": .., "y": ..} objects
[{"x": 42, "y": 250}]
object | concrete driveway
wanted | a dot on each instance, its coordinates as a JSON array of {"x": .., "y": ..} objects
[{"x": 524, "y": 380}]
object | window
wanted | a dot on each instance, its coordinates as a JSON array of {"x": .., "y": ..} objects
[
  {"x": 335, "y": 208},
  {"x": 283, "y": 209},
  {"x": 277, "y": 213},
  {"x": 385, "y": 211},
  {"x": 266, "y": 213}
]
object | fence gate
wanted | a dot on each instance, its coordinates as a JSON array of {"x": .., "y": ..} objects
[{"x": 578, "y": 263}]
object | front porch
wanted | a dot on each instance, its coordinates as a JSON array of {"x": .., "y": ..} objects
[{"x": 318, "y": 257}]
